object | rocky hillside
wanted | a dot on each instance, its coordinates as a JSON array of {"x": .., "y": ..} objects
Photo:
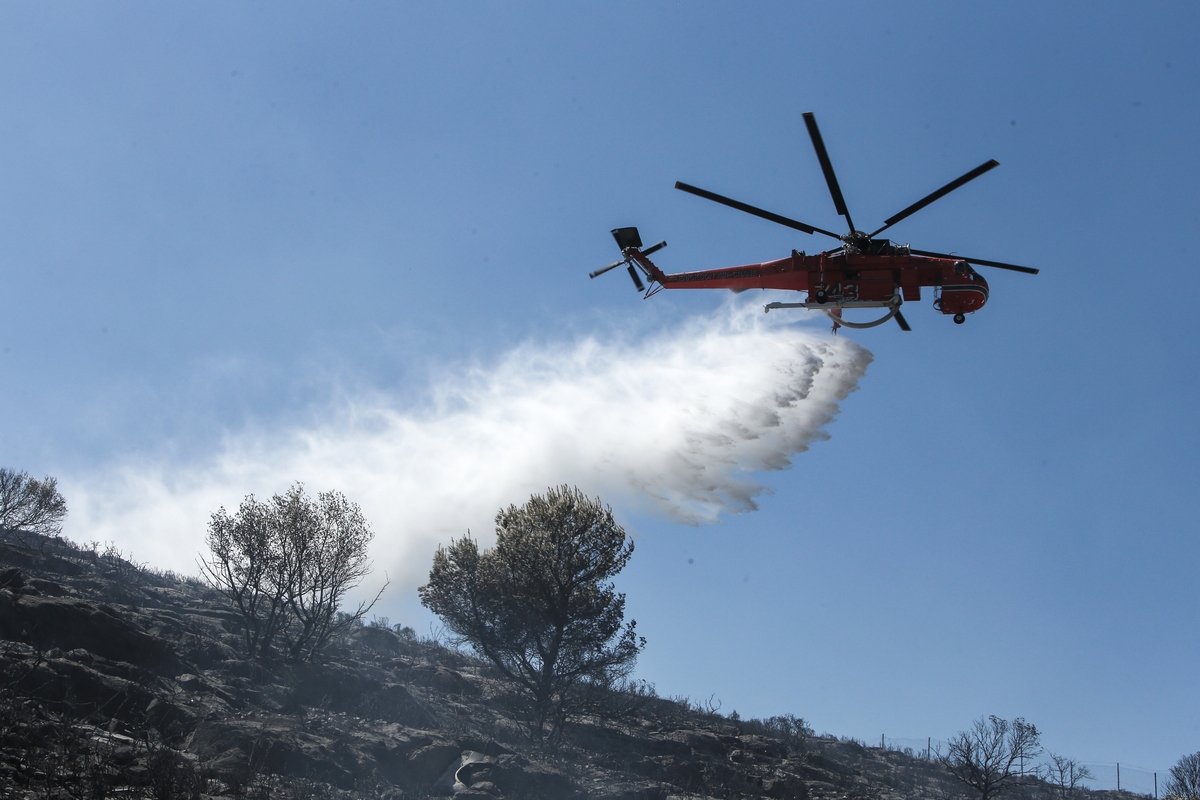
[{"x": 118, "y": 681}]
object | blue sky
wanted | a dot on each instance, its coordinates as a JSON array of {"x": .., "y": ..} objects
[{"x": 226, "y": 224}]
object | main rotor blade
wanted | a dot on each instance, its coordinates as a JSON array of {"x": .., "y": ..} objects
[
  {"x": 942, "y": 192},
  {"x": 749, "y": 209},
  {"x": 980, "y": 261},
  {"x": 814, "y": 133},
  {"x": 901, "y": 321}
]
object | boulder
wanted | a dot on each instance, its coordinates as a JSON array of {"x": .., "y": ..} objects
[
  {"x": 764, "y": 746},
  {"x": 705, "y": 742},
  {"x": 238, "y": 745},
  {"x": 516, "y": 776},
  {"x": 393, "y": 703},
  {"x": 47, "y": 588},
  {"x": 383, "y": 641},
  {"x": 336, "y": 687},
  {"x": 95, "y": 687},
  {"x": 630, "y": 791},
  {"x": 443, "y": 680},
  {"x": 456, "y": 778},
  {"x": 784, "y": 786},
  {"x": 69, "y": 624},
  {"x": 429, "y": 763},
  {"x": 12, "y": 579},
  {"x": 610, "y": 740}
]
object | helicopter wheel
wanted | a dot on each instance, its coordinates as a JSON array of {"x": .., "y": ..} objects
[
  {"x": 821, "y": 296},
  {"x": 959, "y": 319}
]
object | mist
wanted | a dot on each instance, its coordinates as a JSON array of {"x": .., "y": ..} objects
[{"x": 677, "y": 423}]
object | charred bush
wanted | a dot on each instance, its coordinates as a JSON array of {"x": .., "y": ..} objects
[
  {"x": 286, "y": 566},
  {"x": 539, "y": 605},
  {"x": 29, "y": 505}
]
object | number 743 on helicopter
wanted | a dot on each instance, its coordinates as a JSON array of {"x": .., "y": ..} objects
[{"x": 863, "y": 272}]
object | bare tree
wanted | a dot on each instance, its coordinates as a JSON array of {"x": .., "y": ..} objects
[
  {"x": 247, "y": 565},
  {"x": 539, "y": 605},
  {"x": 287, "y": 565},
  {"x": 984, "y": 757},
  {"x": 27, "y": 504},
  {"x": 1064, "y": 774},
  {"x": 1184, "y": 783},
  {"x": 326, "y": 547}
]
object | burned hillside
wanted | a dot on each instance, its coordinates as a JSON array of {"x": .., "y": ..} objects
[{"x": 118, "y": 680}]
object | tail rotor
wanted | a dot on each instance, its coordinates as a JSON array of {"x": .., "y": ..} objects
[
  {"x": 630, "y": 242},
  {"x": 637, "y": 282}
]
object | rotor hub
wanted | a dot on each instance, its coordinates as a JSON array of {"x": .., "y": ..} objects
[{"x": 856, "y": 242}]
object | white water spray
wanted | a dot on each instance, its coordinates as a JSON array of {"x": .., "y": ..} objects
[{"x": 677, "y": 423}]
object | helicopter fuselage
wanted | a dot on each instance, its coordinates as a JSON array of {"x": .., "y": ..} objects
[{"x": 846, "y": 279}]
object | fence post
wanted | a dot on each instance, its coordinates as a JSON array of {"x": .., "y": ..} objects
[
  {"x": 929, "y": 742},
  {"x": 881, "y": 738},
  {"x": 1118, "y": 776},
  {"x": 1156, "y": 786}
]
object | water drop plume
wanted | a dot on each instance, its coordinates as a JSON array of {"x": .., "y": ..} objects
[{"x": 677, "y": 422}]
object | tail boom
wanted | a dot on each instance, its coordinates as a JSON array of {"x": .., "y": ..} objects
[{"x": 784, "y": 273}]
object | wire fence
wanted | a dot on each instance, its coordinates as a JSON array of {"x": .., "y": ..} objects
[
  {"x": 1127, "y": 778},
  {"x": 1105, "y": 776}
]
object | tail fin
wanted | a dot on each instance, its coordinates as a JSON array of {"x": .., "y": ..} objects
[
  {"x": 627, "y": 238},
  {"x": 630, "y": 242}
]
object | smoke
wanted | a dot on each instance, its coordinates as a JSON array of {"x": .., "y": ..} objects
[{"x": 675, "y": 423}]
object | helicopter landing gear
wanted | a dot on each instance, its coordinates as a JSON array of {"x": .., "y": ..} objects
[{"x": 959, "y": 319}]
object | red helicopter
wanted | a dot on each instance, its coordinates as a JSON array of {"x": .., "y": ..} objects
[{"x": 864, "y": 272}]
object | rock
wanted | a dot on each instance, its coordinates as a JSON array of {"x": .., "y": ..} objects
[
  {"x": 69, "y": 624},
  {"x": 391, "y": 749},
  {"x": 429, "y": 764},
  {"x": 610, "y": 740},
  {"x": 764, "y": 747},
  {"x": 484, "y": 786},
  {"x": 12, "y": 579},
  {"x": 241, "y": 668},
  {"x": 21, "y": 557},
  {"x": 685, "y": 771},
  {"x": 704, "y": 742},
  {"x": 630, "y": 791},
  {"x": 331, "y": 686},
  {"x": 810, "y": 773},
  {"x": 443, "y": 680},
  {"x": 518, "y": 777},
  {"x": 816, "y": 767},
  {"x": 191, "y": 683},
  {"x": 508, "y": 775},
  {"x": 46, "y": 588},
  {"x": 457, "y": 776},
  {"x": 338, "y": 688},
  {"x": 487, "y": 747},
  {"x": 785, "y": 787},
  {"x": 111, "y": 690},
  {"x": 383, "y": 641},
  {"x": 394, "y": 704},
  {"x": 233, "y": 746}
]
